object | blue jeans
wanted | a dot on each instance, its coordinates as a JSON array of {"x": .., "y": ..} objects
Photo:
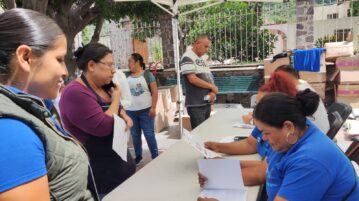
[{"x": 143, "y": 122}]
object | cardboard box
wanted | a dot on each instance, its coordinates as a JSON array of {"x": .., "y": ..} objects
[
  {"x": 165, "y": 95},
  {"x": 161, "y": 121},
  {"x": 174, "y": 93},
  {"x": 266, "y": 78},
  {"x": 347, "y": 90},
  {"x": 270, "y": 67},
  {"x": 170, "y": 114},
  {"x": 319, "y": 88},
  {"x": 348, "y": 63},
  {"x": 349, "y": 77},
  {"x": 186, "y": 122},
  {"x": 313, "y": 76},
  {"x": 338, "y": 49}
]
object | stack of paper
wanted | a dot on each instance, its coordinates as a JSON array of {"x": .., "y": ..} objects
[
  {"x": 354, "y": 114},
  {"x": 225, "y": 181},
  {"x": 351, "y": 127},
  {"x": 197, "y": 143},
  {"x": 240, "y": 124},
  {"x": 120, "y": 137}
]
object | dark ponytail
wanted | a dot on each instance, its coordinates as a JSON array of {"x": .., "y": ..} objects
[
  {"x": 276, "y": 108},
  {"x": 138, "y": 58},
  {"x": 309, "y": 101}
]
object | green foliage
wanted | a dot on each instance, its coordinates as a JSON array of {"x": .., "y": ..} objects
[
  {"x": 87, "y": 33},
  {"x": 279, "y": 13},
  {"x": 157, "y": 52},
  {"x": 326, "y": 39},
  {"x": 354, "y": 5},
  {"x": 143, "y": 30},
  {"x": 234, "y": 29},
  {"x": 146, "y": 11}
]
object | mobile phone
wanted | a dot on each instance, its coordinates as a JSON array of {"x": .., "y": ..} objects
[
  {"x": 108, "y": 86},
  {"x": 238, "y": 138}
]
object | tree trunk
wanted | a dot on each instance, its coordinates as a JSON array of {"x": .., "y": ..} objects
[
  {"x": 10, "y": 4},
  {"x": 96, "y": 35},
  {"x": 37, "y": 5},
  {"x": 70, "y": 61}
]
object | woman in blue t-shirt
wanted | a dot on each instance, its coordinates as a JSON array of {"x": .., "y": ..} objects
[
  {"x": 299, "y": 169},
  {"x": 279, "y": 82}
]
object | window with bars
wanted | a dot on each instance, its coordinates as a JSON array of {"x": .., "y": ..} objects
[
  {"x": 332, "y": 16},
  {"x": 341, "y": 34}
]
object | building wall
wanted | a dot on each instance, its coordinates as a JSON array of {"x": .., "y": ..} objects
[
  {"x": 322, "y": 12},
  {"x": 121, "y": 44},
  {"x": 322, "y": 26}
]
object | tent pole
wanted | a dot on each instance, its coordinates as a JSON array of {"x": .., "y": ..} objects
[
  {"x": 175, "y": 27},
  {"x": 163, "y": 8},
  {"x": 201, "y": 8}
]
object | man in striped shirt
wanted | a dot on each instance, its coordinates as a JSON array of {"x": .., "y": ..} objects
[{"x": 200, "y": 88}]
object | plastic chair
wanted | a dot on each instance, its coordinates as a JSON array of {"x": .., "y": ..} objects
[
  {"x": 353, "y": 152},
  {"x": 337, "y": 114}
]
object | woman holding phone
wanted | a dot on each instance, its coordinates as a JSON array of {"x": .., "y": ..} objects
[{"x": 87, "y": 107}]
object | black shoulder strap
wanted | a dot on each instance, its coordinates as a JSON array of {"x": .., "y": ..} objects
[
  {"x": 147, "y": 75},
  {"x": 83, "y": 78}
]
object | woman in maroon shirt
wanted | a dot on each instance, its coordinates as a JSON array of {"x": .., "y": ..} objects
[{"x": 87, "y": 110}]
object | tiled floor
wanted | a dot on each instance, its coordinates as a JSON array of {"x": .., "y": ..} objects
[{"x": 165, "y": 139}]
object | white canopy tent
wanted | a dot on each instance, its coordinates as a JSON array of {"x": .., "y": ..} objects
[{"x": 171, "y": 7}]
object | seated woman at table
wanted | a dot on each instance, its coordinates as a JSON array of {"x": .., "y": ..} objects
[
  {"x": 278, "y": 82},
  {"x": 299, "y": 169}
]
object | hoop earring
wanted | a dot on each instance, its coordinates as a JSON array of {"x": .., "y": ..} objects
[{"x": 291, "y": 142}]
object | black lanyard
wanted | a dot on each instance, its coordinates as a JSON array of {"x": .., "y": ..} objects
[{"x": 103, "y": 105}]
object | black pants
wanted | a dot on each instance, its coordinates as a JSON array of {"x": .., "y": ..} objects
[{"x": 198, "y": 114}]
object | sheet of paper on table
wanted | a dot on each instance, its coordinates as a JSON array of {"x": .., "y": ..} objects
[
  {"x": 120, "y": 137},
  {"x": 240, "y": 124},
  {"x": 351, "y": 127},
  {"x": 198, "y": 144},
  {"x": 225, "y": 181}
]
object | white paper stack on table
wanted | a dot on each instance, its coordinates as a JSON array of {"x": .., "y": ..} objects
[
  {"x": 351, "y": 128},
  {"x": 120, "y": 137},
  {"x": 241, "y": 124},
  {"x": 355, "y": 113},
  {"x": 197, "y": 143},
  {"x": 225, "y": 182}
]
